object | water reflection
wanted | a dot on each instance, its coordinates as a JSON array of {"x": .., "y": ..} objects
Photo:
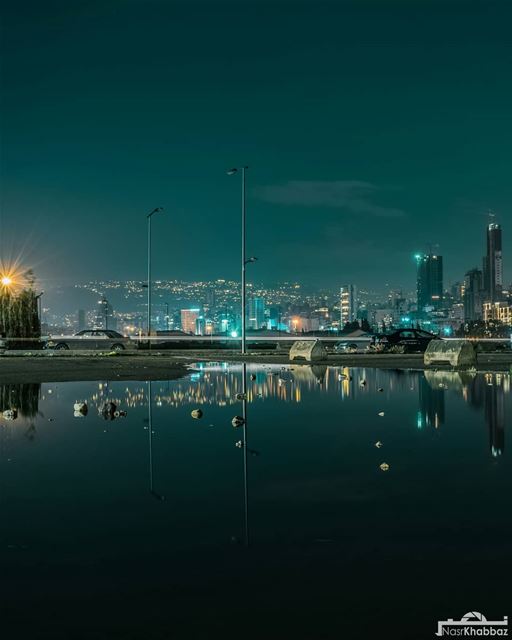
[
  {"x": 431, "y": 411},
  {"x": 20, "y": 398},
  {"x": 152, "y": 491},
  {"x": 244, "y": 449},
  {"x": 479, "y": 391},
  {"x": 19, "y": 403},
  {"x": 225, "y": 385}
]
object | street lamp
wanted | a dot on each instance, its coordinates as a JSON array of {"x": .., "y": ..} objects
[
  {"x": 149, "y": 216},
  {"x": 232, "y": 172}
]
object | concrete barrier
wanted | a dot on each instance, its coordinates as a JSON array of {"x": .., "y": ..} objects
[
  {"x": 308, "y": 350},
  {"x": 456, "y": 353}
]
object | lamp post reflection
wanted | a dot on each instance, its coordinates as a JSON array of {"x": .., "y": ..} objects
[
  {"x": 150, "y": 444},
  {"x": 244, "y": 450}
]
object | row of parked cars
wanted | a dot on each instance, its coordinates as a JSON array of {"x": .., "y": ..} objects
[{"x": 401, "y": 341}]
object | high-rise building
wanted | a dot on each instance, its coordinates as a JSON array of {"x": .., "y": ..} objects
[
  {"x": 81, "y": 319},
  {"x": 500, "y": 311},
  {"x": 473, "y": 290},
  {"x": 104, "y": 317},
  {"x": 429, "y": 281},
  {"x": 256, "y": 319},
  {"x": 348, "y": 304},
  {"x": 189, "y": 320},
  {"x": 493, "y": 270}
]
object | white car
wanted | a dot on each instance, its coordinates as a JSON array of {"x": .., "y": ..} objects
[{"x": 101, "y": 339}]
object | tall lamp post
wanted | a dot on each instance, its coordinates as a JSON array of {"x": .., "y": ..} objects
[
  {"x": 149, "y": 216},
  {"x": 245, "y": 261}
]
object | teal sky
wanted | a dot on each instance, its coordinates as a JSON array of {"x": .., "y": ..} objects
[{"x": 372, "y": 130}]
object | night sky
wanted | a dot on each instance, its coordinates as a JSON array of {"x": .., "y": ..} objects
[{"x": 372, "y": 130}]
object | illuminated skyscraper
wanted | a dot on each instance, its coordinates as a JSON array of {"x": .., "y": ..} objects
[
  {"x": 104, "y": 318},
  {"x": 429, "y": 281},
  {"x": 256, "y": 319},
  {"x": 493, "y": 270},
  {"x": 348, "y": 304},
  {"x": 189, "y": 320},
  {"x": 81, "y": 319},
  {"x": 473, "y": 291}
]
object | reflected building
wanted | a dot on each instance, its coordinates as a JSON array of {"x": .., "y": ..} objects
[
  {"x": 488, "y": 392},
  {"x": 494, "y": 411},
  {"x": 431, "y": 411}
]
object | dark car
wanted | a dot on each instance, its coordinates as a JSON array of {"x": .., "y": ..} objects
[
  {"x": 103, "y": 339},
  {"x": 404, "y": 341}
]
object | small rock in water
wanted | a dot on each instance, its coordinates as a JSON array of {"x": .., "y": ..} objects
[
  {"x": 384, "y": 466},
  {"x": 81, "y": 408}
]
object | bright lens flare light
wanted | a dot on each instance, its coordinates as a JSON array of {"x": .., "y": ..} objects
[{"x": 6, "y": 281}]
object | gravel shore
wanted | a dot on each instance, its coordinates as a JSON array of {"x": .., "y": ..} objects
[{"x": 50, "y": 366}]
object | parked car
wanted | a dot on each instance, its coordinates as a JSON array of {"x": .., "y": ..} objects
[
  {"x": 348, "y": 347},
  {"x": 404, "y": 341},
  {"x": 103, "y": 339}
]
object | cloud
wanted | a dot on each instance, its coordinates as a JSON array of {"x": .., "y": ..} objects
[{"x": 353, "y": 196}]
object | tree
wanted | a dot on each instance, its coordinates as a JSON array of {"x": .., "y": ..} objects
[
  {"x": 18, "y": 311},
  {"x": 365, "y": 325}
]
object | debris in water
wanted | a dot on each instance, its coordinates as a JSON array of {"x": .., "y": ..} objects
[
  {"x": 10, "y": 414},
  {"x": 384, "y": 466},
  {"x": 381, "y": 413},
  {"x": 253, "y": 376},
  {"x": 239, "y": 444},
  {"x": 362, "y": 383},
  {"x": 196, "y": 413},
  {"x": 237, "y": 421},
  {"x": 378, "y": 444},
  {"x": 81, "y": 408},
  {"x": 380, "y": 390},
  {"x": 108, "y": 411}
]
